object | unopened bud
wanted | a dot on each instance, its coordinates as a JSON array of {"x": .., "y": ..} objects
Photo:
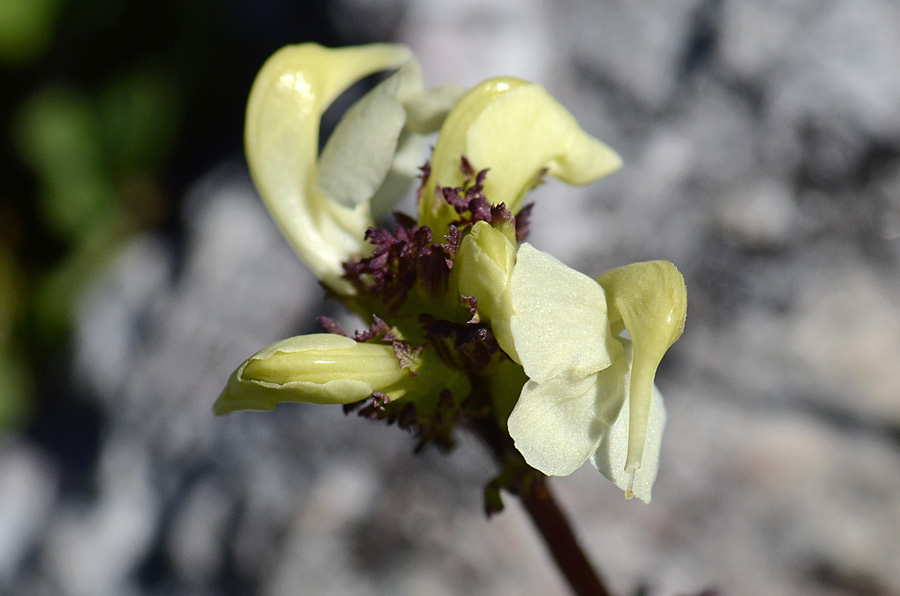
[
  {"x": 321, "y": 368},
  {"x": 484, "y": 266}
]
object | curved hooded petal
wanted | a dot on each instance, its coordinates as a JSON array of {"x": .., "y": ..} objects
[
  {"x": 559, "y": 320},
  {"x": 649, "y": 300},
  {"x": 612, "y": 452},
  {"x": 291, "y": 92},
  {"x": 323, "y": 209},
  {"x": 518, "y": 131},
  {"x": 320, "y": 368}
]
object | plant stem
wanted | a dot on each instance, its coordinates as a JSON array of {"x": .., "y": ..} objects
[
  {"x": 546, "y": 514},
  {"x": 560, "y": 539}
]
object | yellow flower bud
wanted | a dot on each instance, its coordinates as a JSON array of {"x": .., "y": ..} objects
[
  {"x": 483, "y": 268},
  {"x": 321, "y": 368}
]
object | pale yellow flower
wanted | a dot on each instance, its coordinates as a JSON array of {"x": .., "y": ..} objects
[
  {"x": 589, "y": 348},
  {"x": 590, "y": 393},
  {"x": 520, "y": 132},
  {"x": 323, "y": 205}
]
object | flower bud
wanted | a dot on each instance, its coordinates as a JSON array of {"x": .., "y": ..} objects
[
  {"x": 484, "y": 266},
  {"x": 321, "y": 368}
]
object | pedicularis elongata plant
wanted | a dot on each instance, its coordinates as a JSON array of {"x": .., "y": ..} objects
[{"x": 472, "y": 328}]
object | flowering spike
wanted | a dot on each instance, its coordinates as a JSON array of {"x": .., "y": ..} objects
[{"x": 470, "y": 329}]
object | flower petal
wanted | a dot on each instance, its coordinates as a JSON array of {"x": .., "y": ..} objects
[
  {"x": 559, "y": 318},
  {"x": 557, "y": 425},
  {"x": 360, "y": 151},
  {"x": 554, "y": 425},
  {"x": 290, "y": 93},
  {"x": 427, "y": 109},
  {"x": 525, "y": 131},
  {"x": 516, "y": 129},
  {"x": 612, "y": 453},
  {"x": 365, "y": 147},
  {"x": 451, "y": 146},
  {"x": 649, "y": 300},
  {"x": 404, "y": 171}
]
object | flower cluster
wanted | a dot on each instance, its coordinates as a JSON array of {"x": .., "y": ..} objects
[{"x": 471, "y": 326}]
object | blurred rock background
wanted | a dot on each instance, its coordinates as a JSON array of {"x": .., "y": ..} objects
[{"x": 138, "y": 268}]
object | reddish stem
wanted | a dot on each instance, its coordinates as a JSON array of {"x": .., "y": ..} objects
[
  {"x": 546, "y": 514},
  {"x": 560, "y": 539}
]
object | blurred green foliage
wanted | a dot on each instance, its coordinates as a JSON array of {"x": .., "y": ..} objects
[
  {"x": 15, "y": 377},
  {"x": 26, "y": 28},
  {"x": 94, "y": 157},
  {"x": 87, "y": 152},
  {"x": 108, "y": 110}
]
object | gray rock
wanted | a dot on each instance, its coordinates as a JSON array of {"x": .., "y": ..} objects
[
  {"x": 761, "y": 147},
  {"x": 28, "y": 490}
]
